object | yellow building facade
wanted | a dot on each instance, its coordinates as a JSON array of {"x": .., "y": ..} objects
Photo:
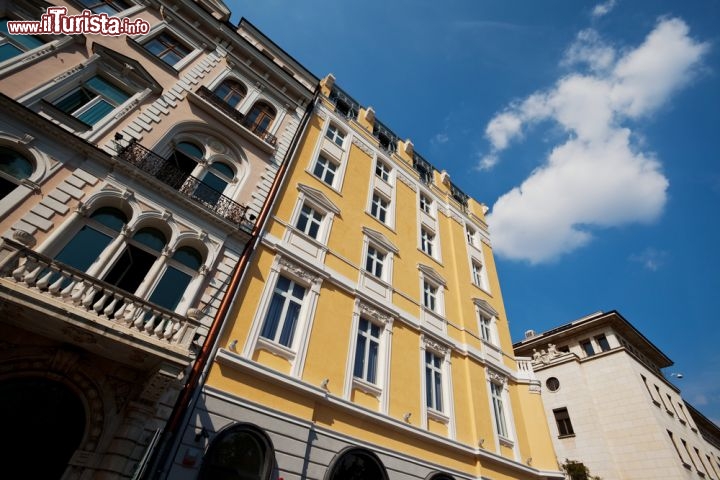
[{"x": 369, "y": 335}]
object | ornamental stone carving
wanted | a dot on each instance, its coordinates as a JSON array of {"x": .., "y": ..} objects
[
  {"x": 497, "y": 378},
  {"x": 367, "y": 310},
  {"x": 407, "y": 181},
  {"x": 431, "y": 344},
  {"x": 297, "y": 270}
]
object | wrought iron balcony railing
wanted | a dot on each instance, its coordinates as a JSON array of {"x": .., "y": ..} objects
[
  {"x": 218, "y": 102},
  {"x": 101, "y": 300},
  {"x": 166, "y": 171},
  {"x": 344, "y": 103},
  {"x": 424, "y": 168}
]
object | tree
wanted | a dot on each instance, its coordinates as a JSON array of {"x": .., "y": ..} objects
[{"x": 577, "y": 470}]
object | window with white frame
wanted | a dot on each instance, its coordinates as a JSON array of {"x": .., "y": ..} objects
[
  {"x": 430, "y": 296},
  {"x": 326, "y": 170},
  {"x": 111, "y": 7},
  {"x": 382, "y": 171},
  {"x": 309, "y": 221},
  {"x": 496, "y": 392},
  {"x": 486, "y": 330},
  {"x": 367, "y": 349},
  {"x": 427, "y": 241},
  {"x": 15, "y": 45},
  {"x": 283, "y": 313},
  {"x": 477, "y": 273},
  {"x": 374, "y": 261},
  {"x": 335, "y": 135},
  {"x": 379, "y": 207},
  {"x": 426, "y": 204},
  {"x": 92, "y": 101},
  {"x": 14, "y": 168},
  {"x": 167, "y": 47},
  {"x": 471, "y": 235},
  {"x": 434, "y": 381}
]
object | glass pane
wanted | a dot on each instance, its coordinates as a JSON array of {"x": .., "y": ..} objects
[
  {"x": 171, "y": 288},
  {"x": 223, "y": 169},
  {"x": 214, "y": 182},
  {"x": 235, "y": 456},
  {"x": 359, "y": 356},
  {"x": 190, "y": 149},
  {"x": 314, "y": 228},
  {"x": 84, "y": 248},
  {"x": 288, "y": 330},
  {"x": 110, "y": 217},
  {"x": 189, "y": 257},
  {"x": 73, "y": 101},
  {"x": 8, "y": 51},
  {"x": 272, "y": 319},
  {"x": 372, "y": 362},
  {"x": 151, "y": 237},
  {"x": 27, "y": 41},
  {"x": 428, "y": 387},
  {"x": 130, "y": 269},
  {"x": 107, "y": 90},
  {"x": 14, "y": 164},
  {"x": 438, "y": 391},
  {"x": 96, "y": 113}
]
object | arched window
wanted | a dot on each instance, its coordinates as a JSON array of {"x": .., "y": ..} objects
[
  {"x": 231, "y": 91},
  {"x": 14, "y": 167},
  {"x": 182, "y": 267},
  {"x": 260, "y": 117},
  {"x": 356, "y": 464},
  {"x": 214, "y": 183},
  {"x": 135, "y": 262},
  {"x": 100, "y": 228},
  {"x": 241, "y": 452},
  {"x": 439, "y": 476},
  {"x": 181, "y": 164}
]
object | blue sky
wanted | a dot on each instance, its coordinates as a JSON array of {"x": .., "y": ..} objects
[{"x": 589, "y": 128}]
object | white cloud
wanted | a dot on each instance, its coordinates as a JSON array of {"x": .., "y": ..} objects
[
  {"x": 650, "y": 258},
  {"x": 598, "y": 177},
  {"x": 603, "y": 8},
  {"x": 440, "y": 138}
]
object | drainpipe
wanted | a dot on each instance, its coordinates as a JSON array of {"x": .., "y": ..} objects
[{"x": 192, "y": 388}]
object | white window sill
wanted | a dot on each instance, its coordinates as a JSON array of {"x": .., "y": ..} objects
[
  {"x": 367, "y": 387},
  {"x": 275, "y": 348},
  {"x": 437, "y": 416},
  {"x": 505, "y": 441}
]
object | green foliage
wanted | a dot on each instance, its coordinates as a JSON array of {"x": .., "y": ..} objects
[{"x": 577, "y": 470}]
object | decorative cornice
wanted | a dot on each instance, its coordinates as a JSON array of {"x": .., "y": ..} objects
[
  {"x": 407, "y": 181},
  {"x": 485, "y": 307},
  {"x": 497, "y": 378},
  {"x": 432, "y": 274},
  {"x": 431, "y": 344},
  {"x": 362, "y": 145},
  {"x": 372, "y": 312},
  {"x": 380, "y": 239},
  {"x": 297, "y": 270},
  {"x": 318, "y": 197}
]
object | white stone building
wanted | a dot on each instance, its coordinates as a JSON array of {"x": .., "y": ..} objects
[{"x": 610, "y": 406}]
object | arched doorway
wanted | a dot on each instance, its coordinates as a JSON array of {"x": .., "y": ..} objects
[
  {"x": 240, "y": 452},
  {"x": 356, "y": 464},
  {"x": 43, "y": 424}
]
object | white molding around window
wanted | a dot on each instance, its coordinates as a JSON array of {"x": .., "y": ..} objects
[
  {"x": 194, "y": 45},
  {"x": 301, "y": 243},
  {"x": 501, "y": 411},
  {"x": 334, "y": 157},
  {"x": 446, "y": 413},
  {"x": 377, "y": 249},
  {"x": 296, "y": 351},
  {"x": 432, "y": 317},
  {"x": 380, "y": 388}
]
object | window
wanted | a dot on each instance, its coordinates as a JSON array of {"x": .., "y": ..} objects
[
  {"x": 92, "y": 100},
  {"x": 168, "y": 48},
  {"x": 214, "y": 183},
  {"x": 427, "y": 242},
  {"x": 687, "y": 450},
  {"x": 335, "y": 135},
  {"x": 356, "y": 464},
  {"x": 382, "y": 171},
  {"x": 486, "y": 328},
  {"x": 260, "y": 116},
  {"x": 282, "y": 316},
  {"x": 477, "y": 273},
  {"x": 702, "y": 464},
  {"x": 239, "y": 452},
  {"x": 433, "y": 381},
  {"x": 325, "y": 170},
  {"x": 140, "y": 254},
  {"x": 682, "y": 410},
  {"x": 14, "y": 168},
  {"x": 496, "y": 392},
  {"x": 470, "y": 235},
  {"x": 648, "y": 390},
  {"x": 553, "y": 384},
  {"x": 587, "y": 348},
  {"x": 111, "y": 7},
  {"x": 430, "y": 296},
  {"x": 603, "y": 343},
  {"x": 677, "y": 450},
  {"x": 379, "y": 207},
  {"x": 309, "y": 221},
  {"x": 14, "y": 45},
  {"x": 374, "y": 261},
  {"x": 425, "y": 204},
  {"x": 231, "y": 92},
  {"x": 366, "y": 351},
  {"x": 181, "y": 269},
  {"x": 564, "y": 426}
]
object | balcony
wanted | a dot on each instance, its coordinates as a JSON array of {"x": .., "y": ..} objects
[
  {"x": 60, "y": 302},
  {"x": 423, "y": 168},
  {"x": 166, "y": 171},
  {"x": 219, "y": 103},
  {"x": 344, "y": 103}
]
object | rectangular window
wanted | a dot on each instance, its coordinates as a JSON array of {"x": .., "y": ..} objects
[
  {"x": 425, "y": 204},
  {"x": 486, "y": 328},
  {"x": 677, "y": 450},
  {"x": 703, "y": 468},
  {"x": 470, "y": 235},
  {"x": 168, "y": 48},
  {"x": 710, "y": 462},
  {"x": 433, "y": 381},
  {"x": 382, "y": 171},
  {"x": 499, "y": 409},
  {"x": 427, "y": 242},
  {"x": 282, "y": 315},
  {"x": 325, "y": 170},
  {"x": 671, "y": 404},
  {"x": 309, "y": 221},
  {"x": 430, "y": 296},
  {"x": 374, "y": 262},
  {"x": 335, "y": 135},
  {"x": 564, "y": 425},
  {"x": 379, "y": 207},
  {"x": 603, "y": 343},
  {"x": 649, "y": 391},
  {"x": 587, "y": 348},
  {"x": 477, "y": 274},
  {"x": 687, "y": 450},
  {"x": 92, "y": 100},
  {"x": 366, "y": 351},
  {"x": 682, "y": 410},
  {"x": 111, "y": 7},
  {"x": 13, "y": 45}
]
